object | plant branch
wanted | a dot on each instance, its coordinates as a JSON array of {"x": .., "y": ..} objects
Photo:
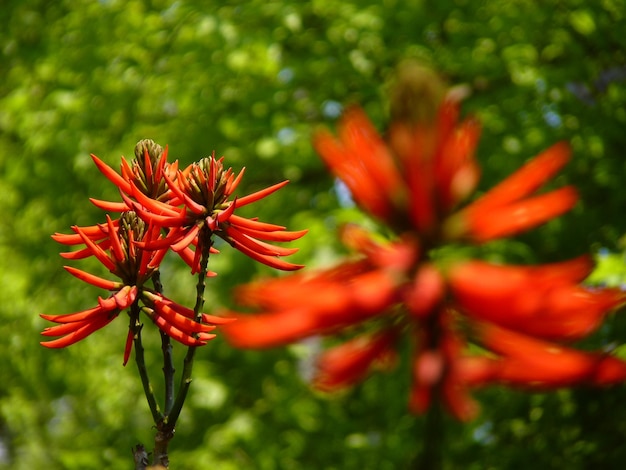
[
  {"x": 168, "y": 372},
  {"x": 204, "y": 244},
  {"x": 168, "y": 360},
  {"x": 136, "y": 327},
  {"x": 432, "y": 440},
  {"x": 141, "y": 457}
]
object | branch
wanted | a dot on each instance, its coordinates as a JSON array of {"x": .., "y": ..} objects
[
  {"x": 204, "y": 244},
  {"x": 136, "y": 327}
]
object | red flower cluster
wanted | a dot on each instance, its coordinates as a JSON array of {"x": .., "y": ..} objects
[
  {"x": 134, "y": 266},
  {"x": 520, "y": 315},
  {"x": 156, "y": 195}
]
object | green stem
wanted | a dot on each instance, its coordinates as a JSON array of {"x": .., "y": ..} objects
[
  {"x": 168, "y": 359},
  {"x": 168, "y": 372},
  {"x": 204, "y": 244},
  {"x": 135, "y": 326},
  {"x": 431, "y": 457},
  {"x": 432, "y": 440}
]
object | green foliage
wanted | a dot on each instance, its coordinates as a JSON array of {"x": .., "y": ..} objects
[{"x": 250, "y": 80}]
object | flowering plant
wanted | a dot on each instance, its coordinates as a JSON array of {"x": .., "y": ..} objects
[{"x": 163, "y": 208}]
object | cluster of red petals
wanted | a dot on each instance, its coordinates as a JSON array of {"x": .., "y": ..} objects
[
  {"x": 185, "y": 201},
  {"x": 522, "y": 317},
  {"x": 201, "y": 199},
  {"x": 114, "y": 244},
  {"x": 163, "y": 208},
  {"x": 146, "y": 174}
]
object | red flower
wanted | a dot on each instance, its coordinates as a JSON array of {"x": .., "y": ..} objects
[
  {"x": 201, "y": 200},
  {"x": 145, "y": 177},
  {"x": 115, "y": 245},
  {"x": 145, "y": 172},
  {"x": 520, "y": 314}
]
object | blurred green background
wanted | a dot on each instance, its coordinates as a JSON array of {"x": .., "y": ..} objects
[{"x": 251, "y": 80}]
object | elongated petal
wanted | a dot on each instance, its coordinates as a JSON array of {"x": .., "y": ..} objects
[
  {"x": 257, "y": 245},
  {"x": 532, "y": 363},
  {"x": 161, "y": 220},
  {"x": 215, "y": 320},
  {"x": 223, "y": 216},
  {"x": 455, "y": 170},
  {"x": 233, "y": 183},
  {"x": 154, "y": 206},
  {"x": 545, "y": 301},
  {"x": 98, "y": 252},
  {"x": 116, "y": 246},
  {"x": 179, "y": 321},
  {"x": 109, "y": 206},
  {"x": 275, "y": 236},
  {"x": 112, "y": 175},
  {"x": 92, "y": 279},
  {"x": 360, "y": 137},
  {"x": 186, "y": 239},
  {"x": 74, "y": 336},
  {"x": 271, "y": 261},
  {"x": 250, "y": 198},
  {"x": 348, "y": 363},
  {"x": 177, "y": 334},
  {"x": 254, "y": 224},
  {"x": 361, "y": 184},
  {"x": 94, "y": 232},
  {"x": 85, "y": 315},
  {"x": 527, "y": 179},
  {"x": 85, "y": 252},
  {"x": 174, "y": 235},
  {"x": 270, "y": 329},
  {"x": 484, "y": 225}
]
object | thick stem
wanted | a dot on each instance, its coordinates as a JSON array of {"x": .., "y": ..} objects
[{"x": 136, "y": 327}]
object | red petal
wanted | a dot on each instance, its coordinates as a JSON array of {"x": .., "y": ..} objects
[
  {"x": 426, "y": 291},
  {"x": 275, "y": 236},
  {"x": 250, "y": 198},
  {"x": 109, "y": 206},
  {"x": 253, "y": 224},
  {"x": 348, "y": 363},
  {"x": 258, "y": 246},
  {"x": 179, "y": 321},
  {"x": 77, "y": 334},
  {"x": 269, "y": 330},
  {"x": 186, "y": 239},
  {"x": 527, "y": 179},
  {"x": 270, "y": 261},
  {"x": 176, "y": 334},
  {"x": 97, "y": 251},
  {"x": 85, "y": 315},
  {"x": 491, "y": 223},
  {"x": 93, "y": 280},
  {"x": 112, "y": 175}
]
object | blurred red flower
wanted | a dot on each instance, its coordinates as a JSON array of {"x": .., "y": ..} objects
[{"x": 520, "y": 315}]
